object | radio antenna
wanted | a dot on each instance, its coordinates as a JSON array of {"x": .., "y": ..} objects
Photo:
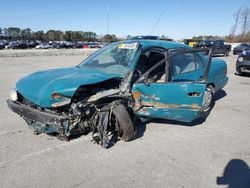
[{"x": 107, "y": 16}]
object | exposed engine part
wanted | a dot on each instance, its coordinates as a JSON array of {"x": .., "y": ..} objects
[
  {"x": 103, "y": 94},
  {"x": 80, "y": 109},
  {"x": 90, "y": 111},
  {"x": 101, "y": 122}
]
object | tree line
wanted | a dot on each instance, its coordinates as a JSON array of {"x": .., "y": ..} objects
[
  {"x": 240, "y": 31},
  {"x": 15, "y": 33}
]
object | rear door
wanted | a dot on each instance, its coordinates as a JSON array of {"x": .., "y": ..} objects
[{"x": 177, "y": 95}]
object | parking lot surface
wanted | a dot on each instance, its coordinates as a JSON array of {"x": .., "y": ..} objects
[{"x": 213, "y": 153}]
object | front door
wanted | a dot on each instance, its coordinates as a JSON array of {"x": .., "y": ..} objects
[{"x": 177, "y": 94}]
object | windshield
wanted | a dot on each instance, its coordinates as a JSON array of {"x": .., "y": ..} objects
[
  {"x": 220, "y": 42},
  {"x": 115, "y": 58}
]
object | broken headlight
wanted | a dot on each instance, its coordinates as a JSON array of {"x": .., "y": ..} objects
[{"x": 13, "y": 95}]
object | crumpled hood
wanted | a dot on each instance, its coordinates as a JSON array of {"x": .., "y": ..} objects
[{"x": 39, "y": 86}]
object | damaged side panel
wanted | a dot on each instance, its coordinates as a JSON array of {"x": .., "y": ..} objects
[
  {"x": 170, "y": 114},
  {"x": 175, "y": 101}
]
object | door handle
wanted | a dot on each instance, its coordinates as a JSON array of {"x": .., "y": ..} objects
[{"x": 194, "y": 94}]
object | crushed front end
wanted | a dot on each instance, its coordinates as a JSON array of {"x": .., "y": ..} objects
[{"x": 92, "y": 113}]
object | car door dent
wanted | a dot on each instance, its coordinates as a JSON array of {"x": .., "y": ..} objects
[
  {"x": 151, "y": 101},
  {"x": 157, "y": 105}
]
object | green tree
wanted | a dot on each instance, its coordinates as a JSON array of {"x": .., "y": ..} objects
[
  {"x": 109, "y": 38},
  {"x": 58, "y": 35},
  {"x": 89, "y": 36},
  {"x": 5, "y": 31},
  {"x": 26, "y": 33},
  {"x": 68, "y": 35},
  {"x": 39, "y": 35},
  {"x": 13, "y": 32},
  {"x": 50, "y": 35},
  {"x": 197, "y": 38}
]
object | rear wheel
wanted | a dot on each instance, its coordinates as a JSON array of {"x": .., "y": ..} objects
[
  {"x": 208, "y": 98},
  {"x": 226, "y": 53},
  {"x": 126, "y": 127}
]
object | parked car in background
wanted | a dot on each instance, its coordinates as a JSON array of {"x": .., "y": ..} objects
[
  {"x": 65, "y": 45},
  {"x": 11, "y": 45},
  {"x": 78, "y": 44},
  {"x": 243, "y": 63},
  {"x": 3, "y": 43},
  {"x": 82, "y": 45},
  {"x": 18, "y": 44},
  {"x": 21, "y": 45},
  {"x": 117, "y": 84},
  {"x": 92, "y": 45},
  {"x": 43, "y": 46},
  {"x": 145, "y": 37},
  {"x": 191, "y": 42},
  {"x": 85, "y": 45},
  {"x": 240, "y": 48},
  {"x": 218, "y": 46},
  {"x": 95, "y": 45},
  {"x": 57, "y": 45},
  {"x": 99, "y": 45},
  {"x": 32, "y": 44},
  {"x": 2, "y": 46}
]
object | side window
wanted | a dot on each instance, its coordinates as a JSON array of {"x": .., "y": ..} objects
[
  {"x": 147, "y": 60},
  {"x": 185, "y": 63},
  {"x": 158, "y": 74}
]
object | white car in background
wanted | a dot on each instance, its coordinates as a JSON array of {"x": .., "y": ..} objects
[{"x": 43, "y": 46}]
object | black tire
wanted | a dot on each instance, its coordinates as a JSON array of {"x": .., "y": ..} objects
[
  {"x": 238, "y": 72},
  {"x": 226, "y": 53},
  {"x": 126, "y": 126},
  {"x": 208, "y": 98}
]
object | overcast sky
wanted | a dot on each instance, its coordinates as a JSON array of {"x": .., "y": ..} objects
[{"x": 176, "y": 18}]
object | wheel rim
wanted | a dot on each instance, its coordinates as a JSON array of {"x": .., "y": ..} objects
[{"x": 207, "y": 100}]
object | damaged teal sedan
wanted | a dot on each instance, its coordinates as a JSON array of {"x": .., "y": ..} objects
[{"x": 116, "y": 85}]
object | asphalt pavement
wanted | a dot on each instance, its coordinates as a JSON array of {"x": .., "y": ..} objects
[{"x": 213, "y": 153}]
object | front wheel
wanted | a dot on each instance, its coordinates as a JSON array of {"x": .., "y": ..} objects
[
  {"x": 238, "y": 71},
  {"x": 125, "y": 124}
]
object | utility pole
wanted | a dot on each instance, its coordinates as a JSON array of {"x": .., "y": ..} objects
[{"x": 107, "y": 16}]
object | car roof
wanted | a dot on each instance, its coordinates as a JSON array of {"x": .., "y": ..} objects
[{"x": 161, "y": 43}]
